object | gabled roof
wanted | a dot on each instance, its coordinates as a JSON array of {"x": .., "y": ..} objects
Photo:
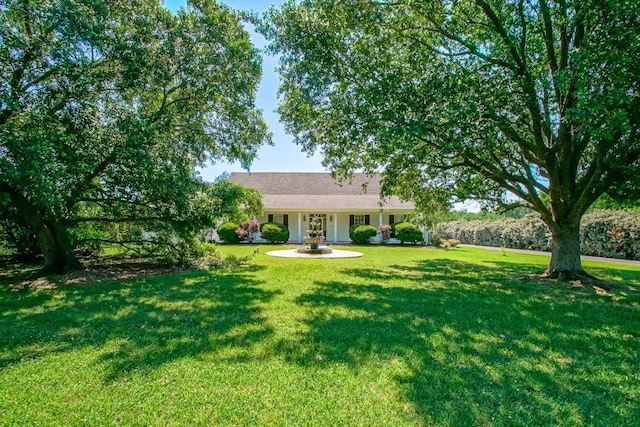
[{"x": 318, "y": 191}]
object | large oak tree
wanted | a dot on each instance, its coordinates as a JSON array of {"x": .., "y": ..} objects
[
  {"x": 514, "y": 102},
  {"x": 106, "y": 109}
]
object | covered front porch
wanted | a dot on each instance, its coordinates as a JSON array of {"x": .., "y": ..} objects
[{"x": 335, "y": 224}]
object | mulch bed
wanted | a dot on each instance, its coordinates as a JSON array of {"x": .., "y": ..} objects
[{"x": 95, "y": 270}]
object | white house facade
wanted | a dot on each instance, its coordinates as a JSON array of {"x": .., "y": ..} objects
[{"x": 293, "y": 199}]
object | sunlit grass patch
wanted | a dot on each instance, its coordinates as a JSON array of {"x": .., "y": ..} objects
[{"x": 402, "y": 336}]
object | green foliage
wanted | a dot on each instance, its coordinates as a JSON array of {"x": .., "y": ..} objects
[
  {"x": 484, "y": 215},
  {"x": 16, "y": 237},
  {"x": 408, "y": 232},
  {"x": 106, "y": 110},
  {"x": 362, "y": 233},
  {"x": 608, "y": 202},
  {"x": 274, "y": 232},
  {"x": 395, "y": 224},
  {"x": 481, "y": 100},
  {"x": 393, "y": 228},
  {"x": 227, "y": 232},
  {"x": 435, "y": 241},
  {"x": 213, "y": 260},
  {"x": 235, "y": 202}
]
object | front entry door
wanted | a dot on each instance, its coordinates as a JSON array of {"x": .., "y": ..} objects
[{"x": 322, "y": 220}]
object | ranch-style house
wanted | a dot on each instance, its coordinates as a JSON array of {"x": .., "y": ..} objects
[{"x": 294, "y": 198}]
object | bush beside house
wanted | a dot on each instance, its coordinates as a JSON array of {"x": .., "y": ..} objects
[
  {"x": 407, "y": 232},
  {"x": 385, "y": 233},
  {"x": 227, "y": 232},
  {"x": 274, "y": 232},
  {"x": 393, "y": 228},
  {"x": 607, "y": 233},
  {"x": 362, "y": 233},
  {"x": 247, "y": 230}
]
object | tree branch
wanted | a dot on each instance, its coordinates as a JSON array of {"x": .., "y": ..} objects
[
  {"x": 82, "y": 186},
  {"x": 523, "y": 28},
  {"x": 495, "y": 20},
  {"x": 121, "y": 220},
  {"x": 548, "y": 40},
  {"x": 101, "y": 201}
]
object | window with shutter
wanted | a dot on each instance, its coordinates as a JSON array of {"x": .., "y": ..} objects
[
  {"x": 359, "y": 219},
  {"x": 270, "y": 218}
]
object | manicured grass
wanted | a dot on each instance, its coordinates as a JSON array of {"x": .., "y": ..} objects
[{"x": 402, "y": 336}]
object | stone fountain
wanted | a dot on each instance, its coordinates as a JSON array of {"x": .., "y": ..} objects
[{"x": 314, "y": 237}]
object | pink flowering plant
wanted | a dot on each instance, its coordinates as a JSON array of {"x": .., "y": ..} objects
[
  {"x": 385, "y": 232},
  {"x": 248, "y": 229}
]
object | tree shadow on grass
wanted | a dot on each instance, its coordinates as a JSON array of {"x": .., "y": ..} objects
[
  {"x": 137, "y": 325},
  {"x": 478, "y": 350},
  {"x": 618, "y": 276}
]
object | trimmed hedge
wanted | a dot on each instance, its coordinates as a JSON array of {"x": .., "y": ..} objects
[
  {"x": 274, "y": 232},
  {"x": 607, "y": 233},
  {"x": 227, "y": 232},
  {"x": 407, "y": 232},
  {"x": 393, "y": 228},
  {"x": 362, "y": 233},
  {"x": 528, "y": 232},
  {"x": 612, "y": 234}
]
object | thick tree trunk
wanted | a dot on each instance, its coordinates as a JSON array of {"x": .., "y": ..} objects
[
  {"x": 53, "y": 241},
  {"x": 565, "y": 261},
  {"x": 52, "y": 235}
]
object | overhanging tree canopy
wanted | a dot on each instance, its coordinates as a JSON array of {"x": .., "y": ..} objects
[
  {"x": 107, "y": 107},
  {"x": 481, "y": 99}
]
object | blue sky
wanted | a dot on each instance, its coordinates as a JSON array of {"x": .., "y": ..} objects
[{"x": 284, "y": 155}]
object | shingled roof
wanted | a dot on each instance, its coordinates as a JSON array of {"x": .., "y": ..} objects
[{"x": 318, "y": 191}]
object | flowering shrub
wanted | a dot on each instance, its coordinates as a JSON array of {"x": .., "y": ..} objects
[
  {"x": 248, "y": 229},
  {"x": 243, "y": 233},
  {"x": 385, "y": 232}
]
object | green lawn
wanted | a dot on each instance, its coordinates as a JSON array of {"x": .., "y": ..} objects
[{"x": 402, "y": 336}]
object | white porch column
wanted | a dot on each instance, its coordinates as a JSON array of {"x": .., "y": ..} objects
[
  {"x": 335, "y": 227},
  {"x": 300, "y": 227},
  {"x": 379, "y": 219}
]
